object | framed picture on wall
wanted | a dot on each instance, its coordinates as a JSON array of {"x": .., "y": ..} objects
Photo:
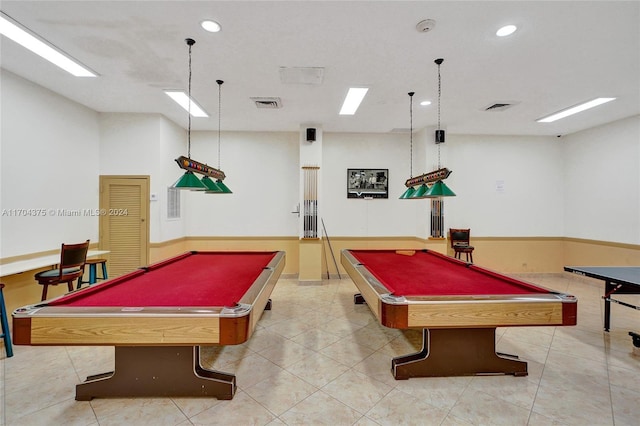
[{"x": 367, "y": 183}]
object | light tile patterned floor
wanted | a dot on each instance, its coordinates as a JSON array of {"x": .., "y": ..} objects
[{"x": 317, "y": 359}]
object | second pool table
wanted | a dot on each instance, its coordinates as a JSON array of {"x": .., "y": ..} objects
[
  {"x": 157, "y": 318},
  {"x": 457, "y": 305}
]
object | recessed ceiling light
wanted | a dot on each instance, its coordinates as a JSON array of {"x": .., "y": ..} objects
[
  {"x": 506, "y": 30},
  {"x": 12, "y": 30},
  {"x": 574, "y": 110},
  {"x": 211, "y": 26},
  {"x": 189, "y": 105},
  {"x": 355, "y": 95},
  {"x": 425, "y": 103}
]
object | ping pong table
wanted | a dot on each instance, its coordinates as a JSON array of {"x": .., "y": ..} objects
[{"x": 618, "y": 280}]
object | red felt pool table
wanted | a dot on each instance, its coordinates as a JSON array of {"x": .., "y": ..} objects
[
  {"x": 157, "y": 317},
  {"x": 457, "y": 305}
]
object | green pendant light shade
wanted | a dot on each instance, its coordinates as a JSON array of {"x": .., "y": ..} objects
[
  {"x": 407, "y": 194},
  {"x": 419, "y": 193},
  {"x": 439, "y": 189},
  {"x": 189, "y": 181},
  {"x": 212, "y": 187},
  {"x": 224, "y": 189}
]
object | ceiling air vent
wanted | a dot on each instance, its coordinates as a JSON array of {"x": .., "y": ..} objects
[
  {"x": 302, "y": 75},
  {"x": 500, "y": 106},
  {"x": 269, "y": 102}
]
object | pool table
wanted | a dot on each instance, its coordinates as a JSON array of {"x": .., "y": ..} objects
[
  {"x": 457, "y": 305},
  {"x": 157, "y": 318}
]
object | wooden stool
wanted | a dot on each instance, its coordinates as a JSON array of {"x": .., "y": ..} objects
[
  {"x": 93, "y": 275},
  {"x": 5, "y": 325},
  {"x": 468, "y": 250}
]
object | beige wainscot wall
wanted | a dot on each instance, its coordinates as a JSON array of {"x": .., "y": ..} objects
[{"x": 511, "y": 255}]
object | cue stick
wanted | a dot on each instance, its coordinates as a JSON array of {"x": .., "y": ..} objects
[
  {"x": 310, "y": 212},
  {"x": 309, "y": 232},
  {"x": 315, "y": 203},
  {"x": 330, "y": 248},
  {"x": 306, "y": 203},
  {"x": 309, "y": 204},
  {"x": 326, "y": 262}
]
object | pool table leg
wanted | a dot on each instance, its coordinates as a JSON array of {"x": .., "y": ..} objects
[
  {"x": 456, "y": 352},
  {"x": 158, "y": 371},
  {"x": 608, "y": 289}
]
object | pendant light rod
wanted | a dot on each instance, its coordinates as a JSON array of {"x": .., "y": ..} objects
[
  {"x": 409, "y": 191},
  {"x": 439, "y": 188},
  {"x": 439, "y": 131},
  {"x": 219, "y": 115},
  {"x": 189, "y": 181},
  {"x": 411, "y": 131},
  {"x": 190, "y": 43},
  {"x": 224, "y": 189}
]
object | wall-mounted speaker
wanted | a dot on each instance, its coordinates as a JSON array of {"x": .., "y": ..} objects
[
  {"x": 311, "y": 134},
  {"x": 439, "y": 136}
]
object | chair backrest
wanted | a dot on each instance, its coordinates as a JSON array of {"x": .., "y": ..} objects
[
  {"x": 74, "y": 255},
  {"x": 459, "y": 236}
]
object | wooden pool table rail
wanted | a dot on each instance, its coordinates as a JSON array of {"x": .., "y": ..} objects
[
  {"x": 41, "y": 324},
  {"x": 458, "y": 332}
]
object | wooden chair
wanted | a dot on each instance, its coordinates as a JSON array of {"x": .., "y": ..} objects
[
  {"x": 459, "y": 240},
  {"x": 5, "y": 325},
  {"x": 71, "y": 267}
]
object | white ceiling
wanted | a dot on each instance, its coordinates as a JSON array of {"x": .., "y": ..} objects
[{"x": 563, "y": 53}]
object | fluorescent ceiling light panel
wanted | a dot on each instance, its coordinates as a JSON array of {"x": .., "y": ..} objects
[
  {"x": 574, "y": 110},
  {"x": 189, "y": 105},
  {"x": 355, "y": 95},
  {"x": 14, "y": 32}
]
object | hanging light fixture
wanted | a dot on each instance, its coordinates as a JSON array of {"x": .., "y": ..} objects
[
  {"x": 428, "y": 185},
  {"x": 189, "y": 180},
  {"x": 410, "y": 190},
  {"x": 223, "y": 189},
  {"x": 439, "y": 189},
  {"x": 213, "y": 187}
]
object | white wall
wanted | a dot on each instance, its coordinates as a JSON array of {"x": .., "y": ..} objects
[
  {"x": 49, "y": 163},
  {"x": 505, "y": 185},
  {"x": 146, "y": 144},
  {"x": 52, "y": 150},
  {"x": 262, "y": 170},
  {"x": 174, "y": 145},
  {"x": 377, "y": 217},
  {"x": 602, "y": 175}
]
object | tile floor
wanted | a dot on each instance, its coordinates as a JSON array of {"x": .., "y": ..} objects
[{"x": 317, "y": 358}]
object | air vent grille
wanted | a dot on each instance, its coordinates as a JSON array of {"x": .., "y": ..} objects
[
  {"x": 267, "y": 102},
  {"x": 500, "y": 106}
]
